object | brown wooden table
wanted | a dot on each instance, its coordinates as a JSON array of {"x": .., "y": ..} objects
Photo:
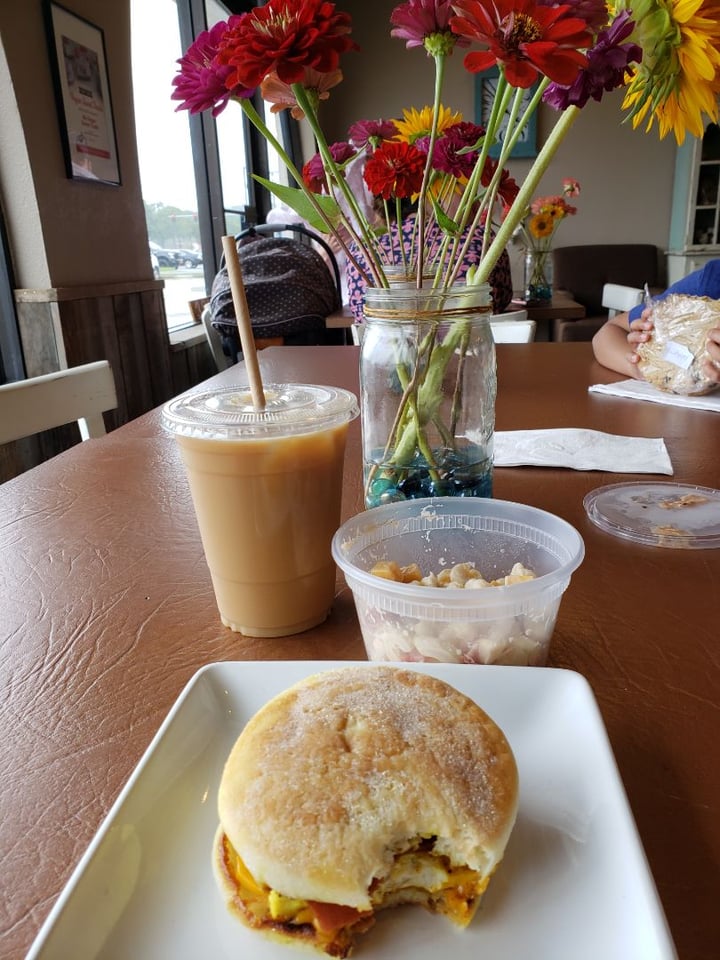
[
  {"x": 560, "y": 307},
  {"x": 107, "y": 611}
]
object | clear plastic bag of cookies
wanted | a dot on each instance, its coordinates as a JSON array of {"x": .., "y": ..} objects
[{"x": 673, "y": 357}]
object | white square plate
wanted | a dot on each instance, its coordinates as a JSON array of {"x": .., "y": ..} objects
[{"x": 574, "y": 882}]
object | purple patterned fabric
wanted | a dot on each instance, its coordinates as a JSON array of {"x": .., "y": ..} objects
[{"x": 501, "y": 287}]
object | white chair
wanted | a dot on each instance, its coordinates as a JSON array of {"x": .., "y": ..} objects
[
  {"x": 39, "y": 403},
  {"x": 618, "y": 298},
  {"x": 214, "y": 341},
  {"x": 511, "y": 315},
  {"x": 512, "y": 331}
]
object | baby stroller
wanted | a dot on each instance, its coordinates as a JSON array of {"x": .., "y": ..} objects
[{"x": 290, "y": 287}]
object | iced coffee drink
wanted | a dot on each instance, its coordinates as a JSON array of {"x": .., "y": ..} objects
[{"x": 267, "y": 489}]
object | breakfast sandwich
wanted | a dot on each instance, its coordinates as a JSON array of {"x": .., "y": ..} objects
[{"x": 359, "y": 789}]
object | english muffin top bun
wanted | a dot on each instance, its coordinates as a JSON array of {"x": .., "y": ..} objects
[{"x": 358, "y": 789}]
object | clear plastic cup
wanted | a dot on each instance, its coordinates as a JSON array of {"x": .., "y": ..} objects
[{"x": 267, "y": 489}]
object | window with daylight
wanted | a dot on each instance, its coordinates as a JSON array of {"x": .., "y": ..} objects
[{"x": 195, "y": 172}]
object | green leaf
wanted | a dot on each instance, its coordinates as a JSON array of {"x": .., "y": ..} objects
[
  {"x": 299, "y": 201},
  {"x": 446, "y": 224}
]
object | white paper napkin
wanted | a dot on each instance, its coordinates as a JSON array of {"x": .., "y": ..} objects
[
  {"x": 640, "y": 390},
  {"x": 581, "y": 450}
]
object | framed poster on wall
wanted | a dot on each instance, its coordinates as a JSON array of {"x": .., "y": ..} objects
[
  {"x": 77, "y": 55},
  {"x": 485, "y": 89}
]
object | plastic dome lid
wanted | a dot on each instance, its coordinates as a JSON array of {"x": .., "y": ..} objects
[{"x": 228, "y": 413}]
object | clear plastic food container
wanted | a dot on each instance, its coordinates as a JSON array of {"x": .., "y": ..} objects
[{"x": 497, "y": 624}]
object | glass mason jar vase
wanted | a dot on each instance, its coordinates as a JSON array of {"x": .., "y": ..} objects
[
  {"x": 538, "y": 274},
  {"x": 427, "y": 393}
]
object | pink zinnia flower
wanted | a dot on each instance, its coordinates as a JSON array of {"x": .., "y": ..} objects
[
  {"x": 281, "y": 95},
  {"x": 423, "y": 144},
  {"x": 201, "y": 82},
  {"x": 417, "y": 20},
  {"x": 371, "y": 132},
  {"x": 570, "y": 187}
]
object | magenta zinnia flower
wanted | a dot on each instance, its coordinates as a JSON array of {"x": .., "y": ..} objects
[
  {"x": 371, "y": 132},
  {"x": 417, "y": 20},
  {"x": 527, "y": 38},
  {"x": 201, "y": 82},
  {"x": 313, "y": 173},
  {"x": 447, "y": 157},
  {"x": 607, "y": 62},
  {"x": 286, "y": 37}
]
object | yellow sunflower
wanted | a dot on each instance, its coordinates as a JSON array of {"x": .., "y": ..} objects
[
  {"x": 418, "y": 123},
  {"x": 678, "y": 81}
]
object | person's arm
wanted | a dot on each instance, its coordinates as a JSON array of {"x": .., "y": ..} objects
[{"x": 614, "y": 345}]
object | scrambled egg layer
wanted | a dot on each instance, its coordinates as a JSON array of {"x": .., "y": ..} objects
[{"x": 416, "y": 876}]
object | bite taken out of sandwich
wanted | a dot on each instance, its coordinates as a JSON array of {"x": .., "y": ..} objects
[{"x": 358, "y": 789}]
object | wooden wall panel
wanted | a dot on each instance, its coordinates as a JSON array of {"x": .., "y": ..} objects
[
  {"x": 158, "y": 346},
  {"x": 133, "y": 355}
]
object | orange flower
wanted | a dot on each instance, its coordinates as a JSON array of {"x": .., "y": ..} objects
[{"x": 541, "y": 225}]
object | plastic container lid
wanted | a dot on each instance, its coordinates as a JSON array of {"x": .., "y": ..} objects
[
  {"x": 227, "y": 413},
  {"x": 660, "y": 514}
]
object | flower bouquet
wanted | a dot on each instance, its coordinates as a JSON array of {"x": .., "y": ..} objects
[
  {"x": 536, "y": 232},
  {"x": 664, "y": 52}
]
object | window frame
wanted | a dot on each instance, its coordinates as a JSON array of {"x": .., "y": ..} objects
[
  {"x": 12, "y": 365},
  {"x": 212, "y": 213}
]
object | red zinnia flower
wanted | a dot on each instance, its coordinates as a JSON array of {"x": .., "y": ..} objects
[
  {"x": 526, "y": 37},
  {"x": 285, "y": 37},
  {"x": 395, "y": 170},
  {"x": 201, "y": 82},
  {"x": 507, "y": 189}
]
